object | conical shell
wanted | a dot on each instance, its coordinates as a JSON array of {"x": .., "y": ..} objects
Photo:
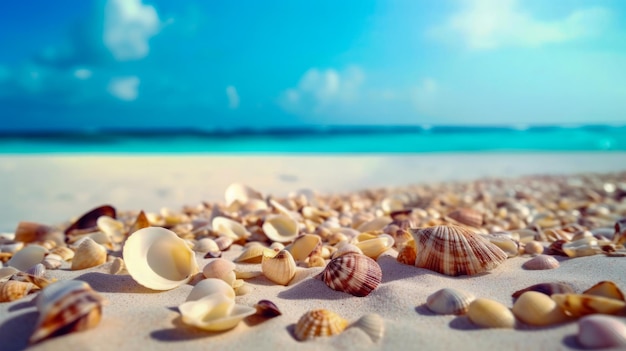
[
  {"x": 27, "y": 257},
  {"x": 541, "y": 262},
  {"x": 599, "y": 332},
  {"x": 372, "y": 324},
  {"x": 467, "y": 216},
  {"x": 215, "y": 312},
  {"x": 220, "y": 268},
  {"x": 158, "y": 259},
  {"x": 490, "y": 314},
  {"x": 281, "y": 228},
  {"x": 319, "y": 323},
  {"x": 546, "y": 289},
  {"x": 210, "y": 286},
  {"x": 577, "y": 305},
  {"x": 89, "y": 254},
  {"x": 280, "y": 269},
  {"x": 607, "y": 289},
  {"x": 227, "y": 227},
  {"x": 538, "y": 309},
  {"x": 12, "y": 290},
  {"x": 352, "y": 273},
  {"x": 449, "y": 301},
  {"x": 454, "y": 250},
  {"x": 64, "y": 307}
]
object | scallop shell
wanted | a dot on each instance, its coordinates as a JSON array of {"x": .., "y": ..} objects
[
  {"x": 27, "y": 257},
  {"x": 254, "y": 254},
  {"x": 215, "y": 312},
  {"x": 374, "y": 247},
  {"x": 454, "y": 250},
  {"x": 229, "y": 228},
  {"x": 220, "y": 268},
  {"x": 280, "y": 269},
  {"x": 267, "y": 309},
  {"x": 319, "y": 323},
  {"x": 541, "y": 262},
  {"x": 538, "y": 309},
  {"x": 88, "y": 222},
  {"x": 467, "y": 216},
  {"x": 64, "y": 307},
  {"x": 606, "y": 289},
  {"x": 577, "y": 305},
  {"x": 490, "y": 314},
  {"x": 89, "y": 254},
  {"x": 210, "y": 286},
  {"x": 449, "y": 301},
  {"x": 281, "y": 228},
  {"x": 158, "y": 259},
  {"x": 546, "y": 289},
  {"x": 12, "y": 290},
  {"x": 352, "y": 273},
  {"x": 372, "y": 324},
  {"x": 303, "y": 246},
  {"x": 597, "y": 331}
]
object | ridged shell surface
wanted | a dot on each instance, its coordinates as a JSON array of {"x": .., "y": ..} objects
[
  {"x": 353, "y": 273},
  {"x": 449, "y": 301},
  {"x": 541, "y": 262},
  {"x": 318, "y": 323},
  {"x": 467, "y": 216},
  {"x": 455, "y": 250}
]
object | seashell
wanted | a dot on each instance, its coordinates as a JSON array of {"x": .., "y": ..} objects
[
  {"x": 64, "y": 252},
  {"x": 65, "y": 307},
  {"x": 29, "y": 232},
  {"x": 158, "y": 259},
  {"x": 12, "y": 290},
  {"x": 240, "y": 193},
  {"x": 346, "y": 248},
  {"x": 577, "y": 305},
  {"x": 490, "y": 314},
  {"x": 316, "y": 261},
  {"x": 449, "y": 301},
  {"x": 276, "y": 246},
  {"x": 215, "y": 312},
  {"x": 533, "y": 248},
  {"x": 267, "y": 309},
  {"x": 247, "y": 274},
  {"x": 538, "y": 309},
  {"x": 39, "y": 282},
  {"x": 281, "y": 228},
  {"x": 352, "y": 273},
  {"x": 606, "y": 289},
  {"x": 407, "y": 254},
  {"x": 254, "y": 254},
  {"x": 280, "y": 269},
  {"x": 205, "y": 245},
  {"x": 11, "y": 246},
  {"x": 210, "y": 286},
  {"x": 546, "y": 289},
  {"x": 140, "y": 222},
  {"x": 374, "y": 247},
  {"x": 505, "y": 243},
  {"x": 220, "y": 268},
  {"x": 394, "y": 203},
  {"x": 52, "y": 261},
  {"x": 303, "y": 246},
  {"x": 376, "y": 224},
  {"x": 117, "y": 266},
  {"x": 37, "y": 270},
  {"x": 372, "y": 324},
  {"x": 88, "y": 222},
  {"x": 7, "y": 272},
  {"x": 89, "y": 254},
  {"x": 99, "y": 237},
  {"x": 113, "y": 228},
  {"x": 454, "y": 250},
  {"x": 229, "y": 228},
  {"x": 597, "y": 331},
  {"x": 619, "y": 237},
  {"x": 319, "y": 323},
  {"x": 584, "y": 247},
  {"x": 27, "y": 257},
  {"x": 466, "y": 216},
  {"x": 541, "y": 262},
  {"x": 223, "y": 243}
]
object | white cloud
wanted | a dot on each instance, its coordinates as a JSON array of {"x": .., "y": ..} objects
[
  {"x": 233, "y": 97},
  {"x": 488, "y": 24},
  {"x": 128, "y": 26},
  {"x": 124, "y": 88}
]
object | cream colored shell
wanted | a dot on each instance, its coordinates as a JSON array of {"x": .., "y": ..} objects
[{"x": 215, "y": 312}]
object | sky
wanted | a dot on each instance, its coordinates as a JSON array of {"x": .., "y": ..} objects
[{"x": 70, "y": 64}]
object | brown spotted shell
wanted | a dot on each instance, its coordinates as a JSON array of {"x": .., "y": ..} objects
[
  {"x": 318, "y": 323},
  {"x": 455, "y": 250},
  {"x": 353, "y": 273}
]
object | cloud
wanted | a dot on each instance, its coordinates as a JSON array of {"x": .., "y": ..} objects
[
  {"x": 489, "y": 24},
  {"x": 128, "y": 26},
  {"x": 233, "y": 97},
  {"x": 124, "y": 88}
]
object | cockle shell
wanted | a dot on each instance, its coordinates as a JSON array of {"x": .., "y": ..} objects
[
  {"x": 27, "y": 257},
  {"x": 280, "y": 269},
  {"x": 66, "y": 306},
  {"x": 12, "y": 290},
  {"x": 373, "y": 247},
  {"x": 215, "y": 312},
  {"x": 546, "y": 289},
  {"x": 449, "y": 301},
  {"x": 606, "y": 289},
  {"x": 281, "y": 228},
  {"x": 158, "y": 259},
  {"x": 89, "y": 254},
  {"x": 319, "y": 323},
  {"x": 538, "y": 309},
  {"x": 303, "y": 246},
  {"x": 210, "y": 286},
  {"x": 597, "y": 331},
  {"x": 229, "y": 228},
  {"x": 353, "y": 273},
  {"x": 372, "y": 324},
  {"x": 220, "y": 268},
  {"x": 577, "y": 305},
  {"x": 467, "y": 216},
  {"x": 541, "y": 262},
  {"x": 454, "y": 250},
  {"x": 490, "y": 314}
]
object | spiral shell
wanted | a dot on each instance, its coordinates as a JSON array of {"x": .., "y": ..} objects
[
  {"x": 449, "y": 301},
  {"x": 353, "y": 273},
  {"x": 319, "y": 323},
  {"x": 454, "y": 250}
]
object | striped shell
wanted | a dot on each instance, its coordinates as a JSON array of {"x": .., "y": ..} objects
[
  {"x": 318, "y": 323},
  {"x": 12, "y": 290},
  {"x": 454, "y": 250},
  {"x": 449, "y": 301},
  {"x": 541, "y": 262},
  {"x": 467, "y": 216},
  {"x": 371, "y": 324},
  {"x": 352, "y": 273}
]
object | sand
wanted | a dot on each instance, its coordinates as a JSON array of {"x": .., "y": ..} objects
[{"x": 53, "y": 189}]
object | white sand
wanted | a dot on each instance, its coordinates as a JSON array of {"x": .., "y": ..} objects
[{"x": 53, "y": 189}]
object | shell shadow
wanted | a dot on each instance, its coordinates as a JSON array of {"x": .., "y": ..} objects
[
  {"x": 424, "y": 311},
  {"x": 571, "y": 342},
  {"x": 181, "y": 332},
  {"x": 24, "y": 304},
  {"x": 312, "y": 289},
  {"x": 14, "y": 332},
  {"x": 110, "y": 283},
  {"x": 394, "y": 270},
  {"x": 463, "y": 323},
  {"x": 291, "y": 329}
]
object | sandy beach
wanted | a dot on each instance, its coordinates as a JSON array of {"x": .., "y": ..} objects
[{"x": 55, "y": 189}]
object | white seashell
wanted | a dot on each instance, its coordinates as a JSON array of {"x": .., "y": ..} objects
[
  {"x": 240, "y": 193},
  {"x": 99, "y": 237},
  {"x": 158, "y": 259},
  {"x": 374, "y": 247},
  {"x": 378, "y": 223},
  {"x": 223, "y": 243},
  {"x": 215, "y": 312},
  {"x": 394, "y": 203},
  {"x": 449, "y": 301},
  {"x": 280, "y": 269},
  {"x": 113, "y": 228},
  {"x": 541, "y": 262},
  {"x": 597, "y": 331},
  {"x": 205, "y": 245},
  {"x": 37, "y": 270},
  {"x": 220, "y": 268},
  {"x": 11, "y": 246},
  {"x": 52, "y": 261},
  {"x": 538, "y": 309},
  {"x": 372, "y": 324},
  {"x": 7, "y": 272},
  {"x": 210, "y": 286},
  {"x": 319, "y": 323},
  {"x": 229, "y": 228},
  {"x": 117, "y": 266},
  {"x": 490, "y": 314},
  {"x": 27, "y": 257},
  {"x": 89, "y": 254},
  {"x": 281, "y": 228},
  {"x": 303, "y": 246}
]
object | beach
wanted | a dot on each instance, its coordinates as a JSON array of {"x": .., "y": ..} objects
[{"x": 55, "y": 189}]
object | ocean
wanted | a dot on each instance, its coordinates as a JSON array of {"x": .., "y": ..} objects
[{"x": 321, "y": 140}]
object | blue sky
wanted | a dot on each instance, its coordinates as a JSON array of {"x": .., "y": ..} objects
[{"x": 259, "y": 64}]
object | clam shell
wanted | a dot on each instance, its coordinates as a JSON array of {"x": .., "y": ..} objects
[
  {"x": 607, "y": 289},
  {"x": 267, "y": 309},
  {"x": 113, "y": 228},
  {"x": 597, "y": 331},
  {"x": 12, "y": 290},
  {"x": 229, "y": 228},
  {"x": 533, "y": 248},
  {"x": 223, "y": 244},
  {"x": 319, "y": 323},
  {"x": 546, "y": 289},
  {"x": 505, "y": 243},
  {"x": 280, "y": 269},
  {"x": 303, "y": 246},
  {"x": 281, "y": 228},
  {"x": 538, "y": 309},
  {"x": 27, "y": 257},
  {"x": 254, "y": 254},
  {"x": 372, "y": 324},
  {"x": 374, "y": 247},
  {"x": 89, "y": 254},
  {"x": 352, "y": 273},
  {"x": 490, "y": 314},
  {"x": 541, "y": 262},
  {"x": 210, "y": 286},
  {"x": 89, "y": 221},
  {"x": 64, "y": 307},
  {"x": 376, "y": 224},
  {"x": 220, "y": 268},
  {"x": 577, "y": 305},
  {"x": 454, "y": 250},
  {"x": 205, "y": 245},
  {"x": 158, "y": 259},
  {"x": 215, "y": 312},
  {"x": 467, "y": 216},
  {"x": 449, "y": 301}
]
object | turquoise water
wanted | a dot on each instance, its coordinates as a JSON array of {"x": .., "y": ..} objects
[{"x": 323, "y": 140}]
